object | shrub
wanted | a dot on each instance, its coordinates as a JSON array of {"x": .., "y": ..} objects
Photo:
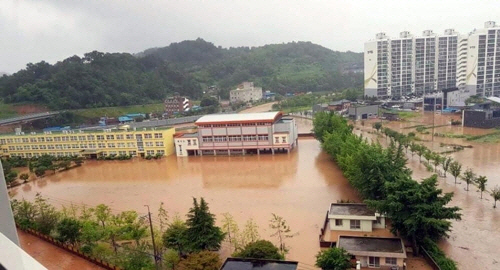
[
  {"x": 261, "y": 249},
  {"x": 438, "y": 255}
]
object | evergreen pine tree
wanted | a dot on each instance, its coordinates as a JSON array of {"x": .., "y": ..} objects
[{"x": 202, "y": 234}]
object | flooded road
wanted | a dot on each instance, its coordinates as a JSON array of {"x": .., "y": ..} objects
[
  {"x": 51, "y": 256},
  {"x": 299, "y": 187},
  {"x": 475, "y": 240}
]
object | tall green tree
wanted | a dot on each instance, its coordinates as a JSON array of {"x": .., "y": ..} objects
[
  {"x": 202, "y": 234},
  {"x": 333, "y": 259},
  {"x": 68, "y": 230},
  {"x": 417, "y": 210},
  {"x": 47, "y": 217},
  {"x": 175, "y": 237}
]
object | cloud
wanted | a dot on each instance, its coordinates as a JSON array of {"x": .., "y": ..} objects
[{"x": 52, "y": 30}]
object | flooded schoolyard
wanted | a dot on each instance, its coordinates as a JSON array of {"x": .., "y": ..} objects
[{"x": 298, "y": 186}]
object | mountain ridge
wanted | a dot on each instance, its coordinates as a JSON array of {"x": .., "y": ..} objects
[{"x": 188, "y": 67}]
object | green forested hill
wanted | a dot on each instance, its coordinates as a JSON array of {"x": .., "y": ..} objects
[{"x": 115, "y": 79}]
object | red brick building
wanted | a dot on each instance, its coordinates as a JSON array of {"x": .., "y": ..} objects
[{"x": 177, "y": 104}]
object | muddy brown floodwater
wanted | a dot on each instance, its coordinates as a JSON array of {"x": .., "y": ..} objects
[
  {"x": 475, "y": 239},
  {"x": 299, "y": 187}
]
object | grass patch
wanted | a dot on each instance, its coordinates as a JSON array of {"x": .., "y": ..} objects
[
  {"x": 403, "y": 115},
  {"x": 486, "y": 138},
  {"x": 118, "y": 111},
  {"x": 7, "y": 111},
  {"x": 296, "y": 109}
]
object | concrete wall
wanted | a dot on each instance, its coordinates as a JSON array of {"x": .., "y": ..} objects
[
  {"x": 184, "y": 144},
  {"x": 7, "y": 226},
  {"x": 359, "y": 112},
  {"x": 364, "y": 261},
  {"x": 366, "y": 226},
  {"x": 478, "y": 119}
]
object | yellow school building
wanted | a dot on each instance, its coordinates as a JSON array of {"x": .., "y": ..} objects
[{"x": 90, "y": 144}]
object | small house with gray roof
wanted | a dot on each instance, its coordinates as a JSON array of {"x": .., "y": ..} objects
[{"x": 375, "y": 252}]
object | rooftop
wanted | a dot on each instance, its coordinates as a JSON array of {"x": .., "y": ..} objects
[
  {"x": 350, "y": 209},
  {"x": 187, "y": 135},
  {"x": 360, "y": 244},
  {"x": 339, "y": 102},
  {"x": 257, "y": 264},
  {"x": 239, "y": 117}
]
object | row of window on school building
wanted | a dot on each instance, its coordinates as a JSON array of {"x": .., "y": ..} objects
[
  {"x": 62, "y": 144},
  {"x": 79, "y": 138},
  {"x": 69, "y": 154},
  {"x": 245, "y": 138}
]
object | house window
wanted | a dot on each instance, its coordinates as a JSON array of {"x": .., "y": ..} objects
[
  {"x": 110, "y": 137},
  {"x": 194, "y": 142},
  {"x": 148, "y": 136},
  {"x": 189, "y": 142},
  {"x": 119, "y": 137},
  {"x": 277, "y": 139},
  {"x": 355, "y": 224},
  {"x": 373, "y": 261},
  {"x": 391, "y": 261},
  {"x": 338, "y": 222},
  {"x": 378, "y": 221},
  {"x": 283, "y": 139}
]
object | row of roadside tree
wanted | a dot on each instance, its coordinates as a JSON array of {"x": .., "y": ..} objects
[{"x": 418, "y": 210}]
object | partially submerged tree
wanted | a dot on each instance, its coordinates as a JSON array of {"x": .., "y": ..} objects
[
  {"x": 446, "y": 162},
  {"x": 24, "y": 177},
  {"x": 469, "y": 177},
  {"x": 455, "y": 169},
  {"x": 481, "y": 184},
  {"x": 251, "y": 232},
  {"x": 495, "y": 193},
  {"x": 231, "y": 230},
  {"x": 281, "y": 231}
]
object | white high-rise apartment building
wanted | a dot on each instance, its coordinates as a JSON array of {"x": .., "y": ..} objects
[{"x": 396, "y": 67}]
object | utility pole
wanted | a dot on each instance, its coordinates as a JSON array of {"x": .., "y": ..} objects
[
  {"x": 433, "y": 117},
  {"x": 153, "y": 238}
]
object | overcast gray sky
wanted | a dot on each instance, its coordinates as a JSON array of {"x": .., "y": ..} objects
[{"x": 51, "y": 30}]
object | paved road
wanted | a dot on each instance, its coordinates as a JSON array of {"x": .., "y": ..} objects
[
  {"x": 52, "y": 256},
  {"x": 260, "y": 108}
]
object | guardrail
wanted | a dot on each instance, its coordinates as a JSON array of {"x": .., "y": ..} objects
[
  {"x": 27, "y": 117},
  {"x": 429, "y": 259}
]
